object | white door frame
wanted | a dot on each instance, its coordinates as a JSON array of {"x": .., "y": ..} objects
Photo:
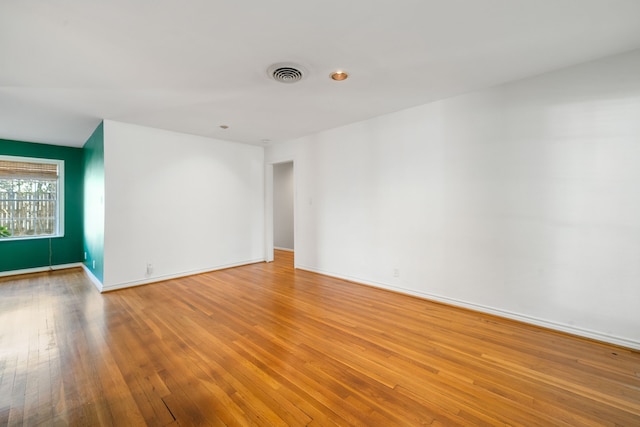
[{"x": 268, "y": 211}]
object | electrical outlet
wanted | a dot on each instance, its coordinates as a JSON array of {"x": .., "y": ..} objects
[
  {"x": 85, "y": 256},
  {"x": 149, "y": 268},
  {"x": 94, "y": 264},
  {"x": 396, "y": 272}
]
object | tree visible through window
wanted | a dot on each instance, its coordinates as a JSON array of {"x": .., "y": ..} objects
[{"x": 30, "y": 197}]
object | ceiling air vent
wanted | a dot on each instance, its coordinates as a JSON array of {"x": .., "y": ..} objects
[{"x": 286, "y": 72}]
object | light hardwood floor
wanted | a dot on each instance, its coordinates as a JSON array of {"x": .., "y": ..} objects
[{"x": 268, "y": 345}]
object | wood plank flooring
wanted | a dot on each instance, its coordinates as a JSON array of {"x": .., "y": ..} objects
[{"x": 267, "y": 345}]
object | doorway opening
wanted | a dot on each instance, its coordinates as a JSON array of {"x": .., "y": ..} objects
[
  {"x": 280, "y": 218},
  {"x": 283, "y": 206}
]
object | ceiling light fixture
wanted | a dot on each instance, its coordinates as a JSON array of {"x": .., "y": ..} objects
[{"x": 339, "y": 75}]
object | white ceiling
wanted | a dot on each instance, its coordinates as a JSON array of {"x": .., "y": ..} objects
[{"x": 193, "y": 65}]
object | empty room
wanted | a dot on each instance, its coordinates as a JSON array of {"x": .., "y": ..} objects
[{"x": 288, "y": 213}]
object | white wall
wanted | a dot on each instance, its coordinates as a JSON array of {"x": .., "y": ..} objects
[
  {"x": 521, "y": 200},
  {"x": 183, "y": 203},
  {"x": 283, "y": 205}
]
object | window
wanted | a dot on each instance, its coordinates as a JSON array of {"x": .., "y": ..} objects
[{"x": 31, "y": 197}]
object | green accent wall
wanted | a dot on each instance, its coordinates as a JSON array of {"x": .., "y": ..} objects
[
  {"x": 34, "y": 253},
  {"x": 94, "y": 203}
]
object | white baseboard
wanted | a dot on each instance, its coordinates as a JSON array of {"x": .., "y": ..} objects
[
  {"x": 97, "y": 283},
  {"x": 283, "y": 249},
  {"x": 561, "y": 327},
  {"x": 40, "y": 269},
  {"x": 155, "y": 279}
]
